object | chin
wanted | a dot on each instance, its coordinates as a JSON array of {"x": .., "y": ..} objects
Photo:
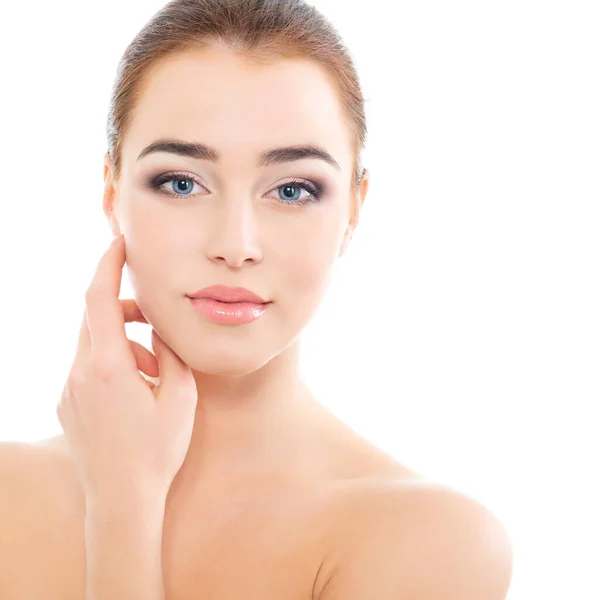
[{"x": 234, "y": 362}]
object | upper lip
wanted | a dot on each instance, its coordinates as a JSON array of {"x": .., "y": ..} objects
[{"x": 224, "y": 293}]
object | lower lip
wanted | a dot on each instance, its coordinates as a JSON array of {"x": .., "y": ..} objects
[{"x": 236, "y": 313}]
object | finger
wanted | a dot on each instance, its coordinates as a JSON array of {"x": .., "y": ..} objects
[
  {"x": 145, "y": 360},
  {"x": 82, "y": 354},
  {"x": 131, "y": 312},
  {"x": 150, "y": 384},
  {"x": 110, "y": 348},
  {"x": 175, "y": 375}
]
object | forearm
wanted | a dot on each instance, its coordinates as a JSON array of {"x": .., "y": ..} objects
[{"x": 123, "y": 542}]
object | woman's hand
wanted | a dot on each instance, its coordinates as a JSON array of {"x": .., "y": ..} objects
[{"x": 126, "y": 434}]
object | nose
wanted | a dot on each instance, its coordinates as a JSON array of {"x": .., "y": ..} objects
[{"x": 233, "y": 234}]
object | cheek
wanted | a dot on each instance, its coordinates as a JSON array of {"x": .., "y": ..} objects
[
  {"x": 306, "y": 268},
  {"x": 152, "y": 263},
  {"x": 153, "y": 282}
]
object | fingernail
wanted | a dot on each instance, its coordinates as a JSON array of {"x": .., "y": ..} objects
[{"x": 116, "y": 239}]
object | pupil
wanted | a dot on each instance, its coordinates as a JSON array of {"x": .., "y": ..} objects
[
  {"x": 287, "y": 188},
  {"x": 185, "y": 186}
]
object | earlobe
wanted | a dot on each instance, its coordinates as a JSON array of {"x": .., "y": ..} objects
[
  {"x": 345, "y": 241},
  {"x": 109, "y": 199},
  {"x": 108, "y": 208},
  {"x": 352, "y": 225}
]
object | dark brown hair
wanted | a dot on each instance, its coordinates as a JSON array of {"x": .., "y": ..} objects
[{"x": 261, "y": 31}]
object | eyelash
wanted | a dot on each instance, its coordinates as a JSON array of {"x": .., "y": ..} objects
[{"x": 315, "y": 190}]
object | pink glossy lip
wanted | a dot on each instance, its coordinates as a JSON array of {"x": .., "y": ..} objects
[
  {"x": 223, "y": 293},
  {"x": 234, "y": 313}
]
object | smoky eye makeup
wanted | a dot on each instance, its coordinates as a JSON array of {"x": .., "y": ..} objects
[
  {"x": 316, "y": 187},
  {"x": 156, "y": 182}
]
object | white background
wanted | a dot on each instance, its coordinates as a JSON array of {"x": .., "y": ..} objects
[{"x": 461, "y": 333}]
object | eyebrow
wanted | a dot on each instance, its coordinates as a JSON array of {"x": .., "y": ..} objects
[{"x": 269, "y": 157}]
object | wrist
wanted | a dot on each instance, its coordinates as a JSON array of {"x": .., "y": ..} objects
[
  {"x": 123, "y": 547},
  {"x": 127, "y": 501}
]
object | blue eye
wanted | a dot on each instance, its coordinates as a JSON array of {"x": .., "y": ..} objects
[
  {"x": 184, "y": 183},
  {"x": 314, "y": 192}
]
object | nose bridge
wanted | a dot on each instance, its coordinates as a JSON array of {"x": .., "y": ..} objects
[{"x": 233, "y": 234}]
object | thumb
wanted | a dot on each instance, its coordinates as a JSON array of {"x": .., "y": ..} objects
[{"x": 175, "y": 376}]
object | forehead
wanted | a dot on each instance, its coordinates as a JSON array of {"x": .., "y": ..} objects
[{"x": 216, "y": 97}]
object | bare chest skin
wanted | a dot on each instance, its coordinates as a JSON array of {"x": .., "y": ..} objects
[
  {"x": 259, "y": 541},
  {"x": 263, "y": 543}
]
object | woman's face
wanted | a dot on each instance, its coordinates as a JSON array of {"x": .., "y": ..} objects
[{"x": 234, "y": 222}]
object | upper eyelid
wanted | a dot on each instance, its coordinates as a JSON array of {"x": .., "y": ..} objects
[{"x": 169, "y": 176}]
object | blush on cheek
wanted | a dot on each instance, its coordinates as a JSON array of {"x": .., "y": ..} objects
[{"x": 309, "y": 274}]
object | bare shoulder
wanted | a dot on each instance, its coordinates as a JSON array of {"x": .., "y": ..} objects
[
  {"x": 18, "y": 473},
  {"x": 57, "y": 443},
  {"x": 33, "y": 477},
  {"x": 36, "y": 471},
  {"x": 24, "y": 468},
  {"x": 398, "y": 538}
]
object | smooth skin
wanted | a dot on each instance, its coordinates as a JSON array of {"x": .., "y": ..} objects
[
  {"x": 275, "y": 497},
  {"x": 128, "y": 439},
  {"x": 105, "y": 388},
  {"x": 388, "y": 534}
]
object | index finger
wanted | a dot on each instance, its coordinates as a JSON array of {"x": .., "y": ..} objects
[
  {"x": 131, "y": 312},
  {"x": 105, "y": 319}
]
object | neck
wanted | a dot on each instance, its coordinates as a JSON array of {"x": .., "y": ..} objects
[{"x": 260, "y": 423}]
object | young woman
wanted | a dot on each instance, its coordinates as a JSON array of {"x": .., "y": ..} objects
[{"x": 233, "y": 183}]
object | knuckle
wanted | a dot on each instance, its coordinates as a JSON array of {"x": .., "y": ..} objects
[
  {"x": 75, "y": 381},
  {"x": 91, "y": 293},
  {"x": 60, "y": 410},
  {"x": 104, "y": 368},
  {"x": 62, "y": 404}
]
